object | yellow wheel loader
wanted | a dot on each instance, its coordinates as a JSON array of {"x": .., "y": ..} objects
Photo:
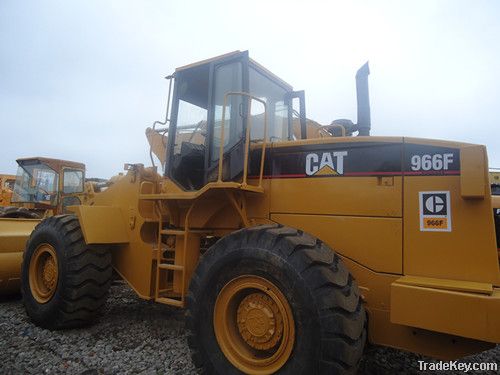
[
  {"x": 289, "y": 246},
  {"x": 43, "y": 187}
]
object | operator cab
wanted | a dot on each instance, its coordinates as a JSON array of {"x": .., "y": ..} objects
[
  {"x": 215, "y": 104},
  {"x": 48, "y": 183}
]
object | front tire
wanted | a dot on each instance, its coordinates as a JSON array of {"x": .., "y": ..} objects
[
  {"x": 274, "y": 299},
  {"x": 64, "y": 282}
]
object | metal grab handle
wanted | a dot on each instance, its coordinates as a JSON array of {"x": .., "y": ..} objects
[
  {"x": 167, "y": 119},
  {"x": 247, "y": 140}
]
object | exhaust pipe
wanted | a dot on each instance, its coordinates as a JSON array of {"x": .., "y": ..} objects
[{"x": 364, "y": 121}]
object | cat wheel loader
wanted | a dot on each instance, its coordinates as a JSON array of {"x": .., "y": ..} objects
[
  {"x": 288, "y": 251},
  {"x": 43, "y": 187}
]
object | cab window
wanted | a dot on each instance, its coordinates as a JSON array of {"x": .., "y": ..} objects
[
  {"x": 72, "y": 181},
  {"x": 188, "y": 157},
  {"x": 36, "y": 183},
  {"x": 228, "y": 78},
  {"x": 277, "y": 108}
]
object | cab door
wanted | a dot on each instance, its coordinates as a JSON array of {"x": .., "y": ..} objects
[{"x": 229, "y": 75}]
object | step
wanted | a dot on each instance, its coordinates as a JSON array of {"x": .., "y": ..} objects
[
  {"x": 172, "y": 267},
  {"x": 182, "y": 232},
  {"x": 170, "y": 301},
  {"x": 163, "y": 249},
  {"x": 150, "y": 219},
  {"x": 176, "y": 232},
  {"x": 166, "y": 290}
]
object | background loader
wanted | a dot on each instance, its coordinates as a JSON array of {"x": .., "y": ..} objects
[
  {"x": 43, "y": 187},
  {"x": 289, "y": 249}
]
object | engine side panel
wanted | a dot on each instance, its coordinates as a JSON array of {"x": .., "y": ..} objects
[
  {"x": 447, "y": 235},
  {"x": 346, "y": 193}
]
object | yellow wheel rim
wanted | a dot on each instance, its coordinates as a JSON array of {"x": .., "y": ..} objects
[
  {"x": 254, "y": 325},
  {"x": 43, "y": 273}
]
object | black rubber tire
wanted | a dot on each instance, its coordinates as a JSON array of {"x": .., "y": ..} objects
[
  {"x": 17, "y": 213},
  {"x": 84, "y": 276},
  {"x": 330, "y": 320}
]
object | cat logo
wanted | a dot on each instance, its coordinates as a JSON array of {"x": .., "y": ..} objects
[
  {"x": 435, "y": 215},
  {"x": 326, "y": 164}
]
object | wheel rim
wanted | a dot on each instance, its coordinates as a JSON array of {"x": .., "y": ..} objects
[
  {"x": 43, "y": 273},
  {"x": 254, "y": 325}
]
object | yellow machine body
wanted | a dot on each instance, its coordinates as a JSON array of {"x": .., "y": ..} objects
[
  {"x": 411, "y": 218},
  {"x": 413, "y": 282}
]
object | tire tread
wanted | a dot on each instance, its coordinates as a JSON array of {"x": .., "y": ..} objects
[
  {"x": 341, "y": 312},
  {"x": 86, "y": 277}
]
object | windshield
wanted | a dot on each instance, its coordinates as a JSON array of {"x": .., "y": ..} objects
[{"x": 36, "y": 183}]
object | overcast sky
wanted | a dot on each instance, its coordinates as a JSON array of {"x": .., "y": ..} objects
[{"x": 81, "y": 80}]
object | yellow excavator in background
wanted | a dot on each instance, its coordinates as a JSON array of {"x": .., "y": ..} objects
[{"x": 43, "y": 187}]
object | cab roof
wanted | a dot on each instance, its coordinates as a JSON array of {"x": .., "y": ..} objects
[
  {"x": 55, "y": 164},
  {"x": 235, "y": 53}
]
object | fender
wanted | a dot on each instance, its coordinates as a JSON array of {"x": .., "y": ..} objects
[
  {"x": 433, "y": 304},
  {"x": 102, "y": 224}
]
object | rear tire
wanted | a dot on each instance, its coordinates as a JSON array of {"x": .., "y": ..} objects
[
  {"x": 328, "y": 317},
  {"x": 64, "y": 282}
]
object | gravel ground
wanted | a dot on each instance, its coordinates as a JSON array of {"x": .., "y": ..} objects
[{"x": 135, "y": 336}]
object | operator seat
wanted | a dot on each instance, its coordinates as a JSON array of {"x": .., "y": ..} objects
[{"x": 188, "y": 165}]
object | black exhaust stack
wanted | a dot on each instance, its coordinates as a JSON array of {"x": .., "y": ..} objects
[
  {"x": 363, "y": 98},
  {"x": 364, "y": 121}
]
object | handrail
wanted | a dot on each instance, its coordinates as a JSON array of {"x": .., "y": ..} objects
[
  {"x": 181, "y": 127},
  {"x": 167, "y": 119},
  {"x": 247, "y": 140}
]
